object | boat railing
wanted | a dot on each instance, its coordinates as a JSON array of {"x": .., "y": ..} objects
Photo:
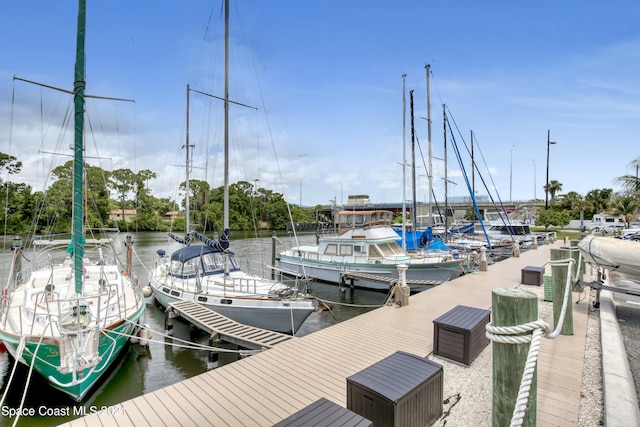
[
  {"x": 246, "y": 284},
  {"x": 267, "y": 273}
]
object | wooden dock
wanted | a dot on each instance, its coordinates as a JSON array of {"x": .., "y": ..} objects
[
  {"x": 263, "y": 389},
  {"x": 227, "y": 329}
]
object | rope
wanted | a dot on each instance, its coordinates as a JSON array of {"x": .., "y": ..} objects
[
  {"x": 26, "y": 388},
  {"x": 519, "y": 334},
  {"x": 190, "y": 346},
  {"x": 18, "y": 355}
]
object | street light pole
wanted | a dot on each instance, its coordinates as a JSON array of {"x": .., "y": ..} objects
[{"x": 546, "y": 188}]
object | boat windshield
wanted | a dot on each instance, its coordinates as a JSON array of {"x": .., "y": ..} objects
[
  {"x": 388, "y": 249},
  {"x": 207, "y": 263}
]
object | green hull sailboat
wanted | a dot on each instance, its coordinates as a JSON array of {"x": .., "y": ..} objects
[{"x": 70, "y": 312}]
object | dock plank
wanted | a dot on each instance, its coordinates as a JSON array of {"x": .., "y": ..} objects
[{"x": 268, "y": 387}]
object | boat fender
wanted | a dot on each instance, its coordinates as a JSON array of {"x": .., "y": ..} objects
[
  {"x": 147, "y": 291},
  {"x": 145, "y": 335}
]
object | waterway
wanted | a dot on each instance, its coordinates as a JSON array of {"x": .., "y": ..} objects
[{"x": 141, "y": 369}]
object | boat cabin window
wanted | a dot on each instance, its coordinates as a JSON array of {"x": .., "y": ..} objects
[
  {"x": 374, "y": 252},
  {"x": 188, "y": 267},
  {"x": 518, "y": 230},
  {"x": 212, "y": 262},
  {"x": 390, "y": 249},
  {"x": 332, "y": 249},
  {"x": 346, "y": 250},
  {"x": 358, "y": 249}
]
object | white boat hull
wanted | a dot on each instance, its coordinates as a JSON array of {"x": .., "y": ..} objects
[
  {"x": 333, "y": 272},
  {"x": 616, "y": 255},
  {"x": 276, "y": 314}
]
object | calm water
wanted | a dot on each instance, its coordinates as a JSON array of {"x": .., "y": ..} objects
[{"x": 145, "y": 369}]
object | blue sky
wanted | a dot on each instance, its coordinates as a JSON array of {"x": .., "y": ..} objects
[{"x": 326, "y": 77}]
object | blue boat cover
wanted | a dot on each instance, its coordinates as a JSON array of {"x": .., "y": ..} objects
[
  {"x": 188, "y": 252},
  {"x": 438, "y": 244},
  {"x": 415, "y": 239}
]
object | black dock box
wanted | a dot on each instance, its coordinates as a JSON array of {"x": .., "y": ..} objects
[
  {"x": 322, "y": 413},
  {"x": 401, "y": 390},
  {"x": 459, "y": 334},
  {"x": 532, "y": 275}
]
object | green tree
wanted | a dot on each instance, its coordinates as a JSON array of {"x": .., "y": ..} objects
[
  {"x": 553, "y": 188},
  {"x": 122, "y": 182},
  {"x": 552, "y": 218},
  {"x": 140, "y": 188},
  {"x": 631, "y": 183},
  {"x": 10, "y": 164},
  {"x": 19, "y": 206},
  {"x": 626, "y": 206},
  {"x": 599, "y": 199}
]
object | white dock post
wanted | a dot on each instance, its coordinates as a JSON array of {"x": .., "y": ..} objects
[
  {"x": 516, "y": 249},
  {"x": 402, "y": 291},
  {"x": 483, "y": 259}
]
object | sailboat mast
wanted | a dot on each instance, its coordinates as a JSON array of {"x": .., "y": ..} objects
[
  {"x": 446, "y": 177},
  {"x": 187, "y": 229},
  {"x": 473, "y": 168},
  {"x": 430, "y": 171},
  {"x": 226, "y": 116},
  {"x": 79, "y": 84},
  {"x": 404, "y": 162},
  {"x": 413, "y": 165}
]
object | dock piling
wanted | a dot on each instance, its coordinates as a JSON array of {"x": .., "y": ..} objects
[
  {"x": 212, "y": 361},
  {"x": 168, "y": 321},
  {"x": 559, "y": 278},
  {"x": 512, "y": 307}
]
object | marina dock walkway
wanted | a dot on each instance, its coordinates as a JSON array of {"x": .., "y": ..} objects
[{"x": 263, "y": 389}]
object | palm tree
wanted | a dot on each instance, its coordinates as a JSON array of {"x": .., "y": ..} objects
[
  {"x": 599, "y": 198},
  {"x": 631, "y": 183},
  {"x": 553, "y": 187},
  {"x": 626, "y": 206}
]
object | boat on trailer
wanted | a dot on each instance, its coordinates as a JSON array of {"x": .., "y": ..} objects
[{"x": 616, "y": 255}]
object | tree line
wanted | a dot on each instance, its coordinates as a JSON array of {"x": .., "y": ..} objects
[
  {"x": 50, "y": 211},
  {"x": 573, "y": 205}
]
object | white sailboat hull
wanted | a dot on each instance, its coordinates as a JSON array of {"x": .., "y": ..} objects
[{"x": 257, "y": 307}]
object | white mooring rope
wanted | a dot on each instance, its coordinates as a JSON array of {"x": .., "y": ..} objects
[{"x": 538, "y": 329}]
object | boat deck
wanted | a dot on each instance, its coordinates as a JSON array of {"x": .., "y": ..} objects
[{"x": 263, "y": 389}]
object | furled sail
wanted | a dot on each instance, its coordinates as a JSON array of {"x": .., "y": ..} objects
[{"x": 221, "y": 245}]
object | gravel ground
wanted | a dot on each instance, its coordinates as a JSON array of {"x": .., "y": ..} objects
[{"x": 468, "y": 390}]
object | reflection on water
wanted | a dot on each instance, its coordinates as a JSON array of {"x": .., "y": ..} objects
[{"x": 145, "y": 369}]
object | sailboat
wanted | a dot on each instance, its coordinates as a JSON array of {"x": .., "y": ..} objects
[
  {"x": 71, "y": 311},
  {"x": 208, "y": 273}
]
